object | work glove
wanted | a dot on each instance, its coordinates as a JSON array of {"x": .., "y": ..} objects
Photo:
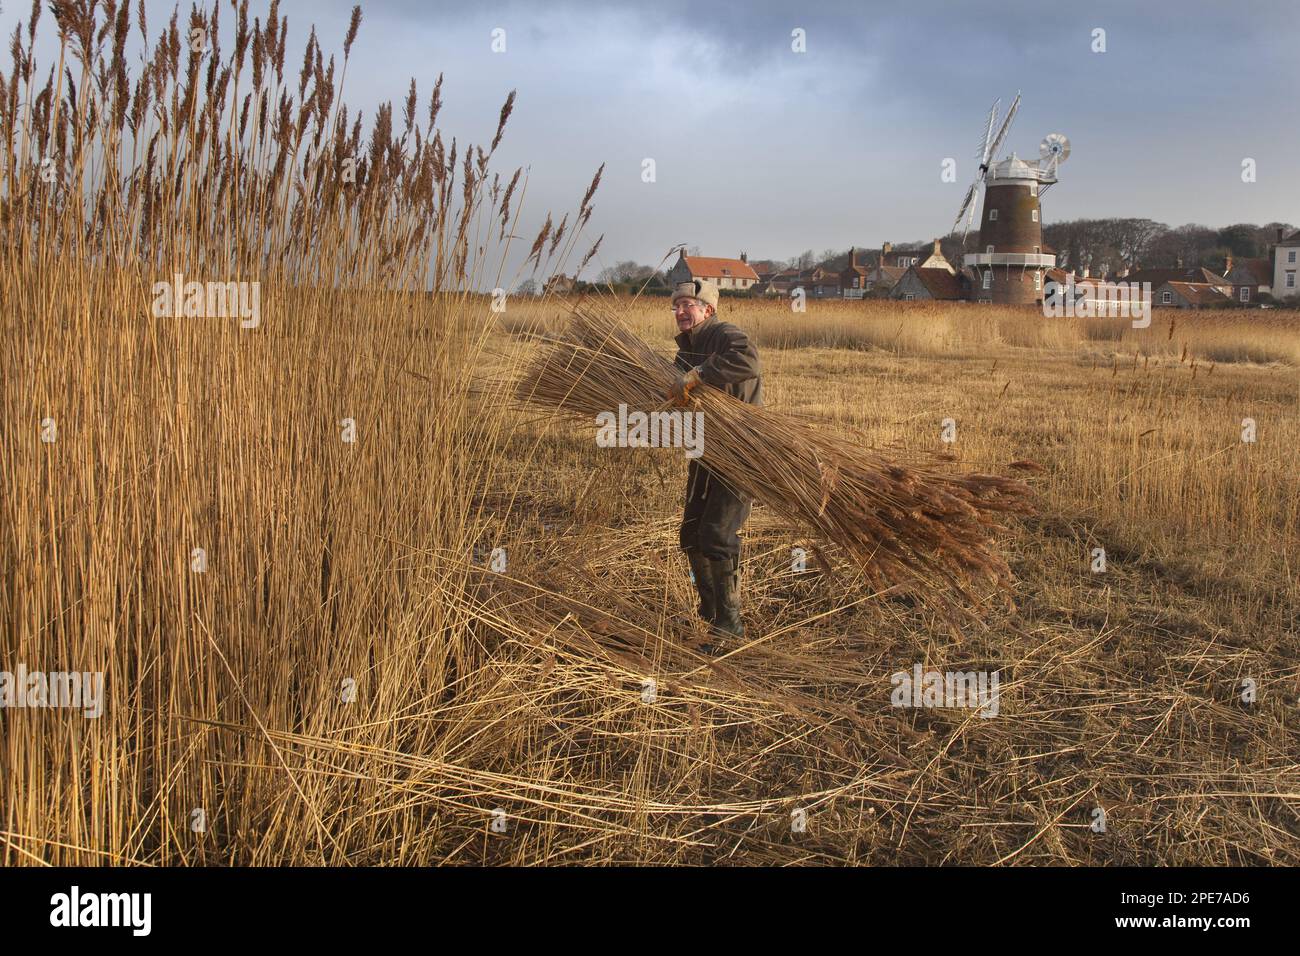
[{"x": 680, "y": 392}]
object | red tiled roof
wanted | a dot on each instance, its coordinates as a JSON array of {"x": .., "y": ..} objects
[
  {"x": 1158, "y": 277},
  {"x": 1198, "y": 293},
  {"x": 1253, "y": 271},
  {"x": 714, "y": 268},
  {"x": 940, "y": 283}
]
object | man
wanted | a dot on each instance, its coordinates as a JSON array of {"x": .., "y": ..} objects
[{"x": 718, "y": 354}]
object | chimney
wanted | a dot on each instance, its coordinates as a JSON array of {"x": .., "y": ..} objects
[
  {"x": 1087, "y": 272},
  {"x": 938, "y": 248},
  {"x": 889, "y": 246},
  {"x": 1227, "y": 266},
  {"x": 853, "y": 257},
  {"x": 744, "y": 257},
  {"x": 1279, "y": 233}
]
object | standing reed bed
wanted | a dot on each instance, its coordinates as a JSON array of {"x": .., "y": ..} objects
[
  {"x": 956, "y": 330},
  {"x": 200, "y": 496}
]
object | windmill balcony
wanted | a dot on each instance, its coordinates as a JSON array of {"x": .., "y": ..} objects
[{"x": 1029, "y": 260}]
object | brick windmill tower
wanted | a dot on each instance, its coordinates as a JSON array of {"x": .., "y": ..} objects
[{"x": 1010, "y": 266}]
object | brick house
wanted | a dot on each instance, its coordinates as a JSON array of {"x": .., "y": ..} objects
[
  {"x": 853, "y": 278},
  {"x": 1195, "y": 276},
  {"x": 889, "y": 268},
  {"x": 1189, "y": 295},
  {"x": 1250, "y": 278},
  {"x": 930, "y": 276},
  {"x": 728, "y": 274},
  {"x": 820, "y": 282},
  {"x": 920, "y": 284}
]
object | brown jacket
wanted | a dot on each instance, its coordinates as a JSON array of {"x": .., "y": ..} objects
[{"x": 725, "y": 357}]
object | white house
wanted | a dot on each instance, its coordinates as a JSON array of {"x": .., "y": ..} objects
[
  {"x": 1286, "y": 263},
  {"x": 727, "y": 273}
]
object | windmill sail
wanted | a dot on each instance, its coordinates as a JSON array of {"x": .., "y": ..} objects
[
  {"x": 988, "y": 135},
  {"x": 967, "y": 203},
  {"x": 1006, "y": 126},
  {"x": 988, "y": 150}
]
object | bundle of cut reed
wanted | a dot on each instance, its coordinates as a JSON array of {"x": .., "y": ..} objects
[{"x": 914, "y": 527}]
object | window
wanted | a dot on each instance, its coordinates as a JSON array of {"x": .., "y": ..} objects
[
  {"x": 1033, "y": 214},
  {"x": 1038, "y": 281},
  {"x": 988, "y": 279},
  {"x": 1290, "y": 278},
  {"x": 1037, "y": 249},
  {"x": 993, "y": 215},
  {"x": 1245, "y": 294},
  {"x": 1290, "y": 256},
  {"x": 1166, "y": 298},
  {"x": 909, "y": 297},
  {"x": 989, "y": 249}
]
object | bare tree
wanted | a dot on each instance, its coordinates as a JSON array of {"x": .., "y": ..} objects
[
  {"x": 1132, "y": 237},
  {"x": 625, "y": 271}
]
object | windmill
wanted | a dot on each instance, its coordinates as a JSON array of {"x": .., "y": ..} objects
[
  {"x": 1010, "y": 262},
  {"x": 988, "y": 149}
]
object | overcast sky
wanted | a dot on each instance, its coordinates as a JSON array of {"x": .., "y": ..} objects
[{"x": 760, "y": 148}]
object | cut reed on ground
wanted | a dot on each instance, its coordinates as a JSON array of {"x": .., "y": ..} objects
[{"x": 912, "y": 527}]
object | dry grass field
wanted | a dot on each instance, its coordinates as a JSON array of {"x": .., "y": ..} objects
[
  {"x": 277, "y": 543},
  {"x": 1125, "y": 687}
]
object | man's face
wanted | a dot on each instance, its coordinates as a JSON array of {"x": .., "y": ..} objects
[{"x": 690, "y": 313}]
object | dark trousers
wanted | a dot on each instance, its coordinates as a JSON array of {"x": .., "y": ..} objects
[{"x": 714, "y": 514}]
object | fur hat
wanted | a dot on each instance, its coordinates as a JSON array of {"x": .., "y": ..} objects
[{"x": 701, "y": 289}]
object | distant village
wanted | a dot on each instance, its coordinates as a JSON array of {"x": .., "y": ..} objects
[{"x": 926, "y": 273}]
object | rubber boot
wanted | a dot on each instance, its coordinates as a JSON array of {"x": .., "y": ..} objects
[
  {"x": 725, "y": 575},
  {"x": 703, "y": 584}
]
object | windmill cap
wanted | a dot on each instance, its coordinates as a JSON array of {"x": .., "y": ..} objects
[{"x": 1013, "y": 167}]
